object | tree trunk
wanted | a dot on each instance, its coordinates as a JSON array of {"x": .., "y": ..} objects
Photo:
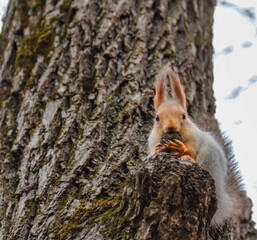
[{"x": 76, "y": 108}]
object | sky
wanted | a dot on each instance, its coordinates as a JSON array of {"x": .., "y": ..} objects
[
  {"x": 235, "y": 82},
  {"x": 3, "y": 6}
]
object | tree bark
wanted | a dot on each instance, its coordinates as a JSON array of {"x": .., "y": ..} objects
[{"x": 76, "y": 108}]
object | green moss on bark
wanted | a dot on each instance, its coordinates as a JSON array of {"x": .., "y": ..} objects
[
  {"x": 88, "y": 213},
  {"x": 30, "y": 48},
  {"x": 66, "y": 5}
]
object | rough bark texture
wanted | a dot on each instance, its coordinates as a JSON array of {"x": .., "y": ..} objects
[
  {"x": 179, "y": 199},
  {"x": 76, "y": 108}
]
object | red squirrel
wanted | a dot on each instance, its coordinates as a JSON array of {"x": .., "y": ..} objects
[{"x": 196, "y": 146}]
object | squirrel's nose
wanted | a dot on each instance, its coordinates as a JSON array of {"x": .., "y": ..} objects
[{"x": 171, "y": 129}]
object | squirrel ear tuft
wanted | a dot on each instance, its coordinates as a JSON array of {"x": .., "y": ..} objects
[
  {"x": 160, "y": 88},
  {"x": 176, "y": 87}
]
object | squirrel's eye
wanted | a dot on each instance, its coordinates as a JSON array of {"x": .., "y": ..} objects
[
  {"x": 184, "y": 116},
  {"x": 157, "y": 118}
]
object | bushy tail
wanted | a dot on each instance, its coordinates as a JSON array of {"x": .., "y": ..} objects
[
  {"x": 235, "y": 186},
  {"x": 234, "y": 181}
]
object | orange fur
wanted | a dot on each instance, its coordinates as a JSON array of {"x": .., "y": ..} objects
[
  {"x": 160, "y": 89},
  {"x": 176, "y": 87}
]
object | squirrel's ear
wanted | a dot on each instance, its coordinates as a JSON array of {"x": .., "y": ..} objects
[
  {"x": 160, "y": 88},
  {"x": 176, "y": 87}
]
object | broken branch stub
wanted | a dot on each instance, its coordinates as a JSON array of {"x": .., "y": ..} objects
[{"x": 178, "y": 197}]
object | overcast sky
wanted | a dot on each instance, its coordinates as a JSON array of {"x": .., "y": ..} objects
[
  {"x": 3, "y": 6},
  {"x": 235, "y": 81}
]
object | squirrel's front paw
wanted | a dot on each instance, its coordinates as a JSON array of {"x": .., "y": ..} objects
[
  {"x": 187, "y": 158},
  {"x": 177, "y": 147},
  {"x": 158, "y": 148}
]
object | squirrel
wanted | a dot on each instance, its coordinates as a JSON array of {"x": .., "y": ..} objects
[{"x": 196, "y": 146}]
